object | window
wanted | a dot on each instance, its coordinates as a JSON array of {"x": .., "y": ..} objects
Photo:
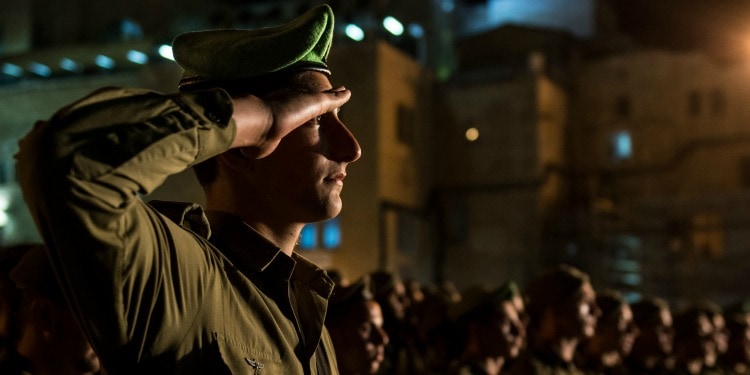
[
  {"x": 325, "y": 235},
  {"x": 331, "y": 234},
  {"x": 708, "y": 235},
  {"x": 308, "y": 238},
  {"x": 621, "y": 145}
]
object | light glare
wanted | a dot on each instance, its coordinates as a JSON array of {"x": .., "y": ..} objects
[
  {"x": 165, "y": 51},
  {"x": 70, "y": 65},
  {"x": 472, "y": 134},
  {"x": 393, "y": 26},
  {"x": 12, "y": 70},
  {"x": 354, "y": 32},
  {"x": 137, "y": 57},
  {"x": 416, "y": 30},
  {"x": 40, "y": 69},
  {"x": 105, "y": 62}
]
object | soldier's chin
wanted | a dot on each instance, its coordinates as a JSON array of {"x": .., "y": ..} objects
[{"x": 333, "y": 210}]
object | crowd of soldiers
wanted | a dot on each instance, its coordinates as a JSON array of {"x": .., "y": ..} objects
[
  {"x": 381, "y": 324},
  {"x": 558, "y": 324}
]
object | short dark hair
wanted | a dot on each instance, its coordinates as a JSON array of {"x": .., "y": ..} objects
[{"x": 646, "y": 311}]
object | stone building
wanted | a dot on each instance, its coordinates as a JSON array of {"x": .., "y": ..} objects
[{"x": 659, "y": 148}]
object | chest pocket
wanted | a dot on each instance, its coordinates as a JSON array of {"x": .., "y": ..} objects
[{"x": 241, "y": 359}]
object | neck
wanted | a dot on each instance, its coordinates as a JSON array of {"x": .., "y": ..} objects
[{"x": 282, "y": 233}]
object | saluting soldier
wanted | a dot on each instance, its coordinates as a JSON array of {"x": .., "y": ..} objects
[{"x": 174, "y": 290}]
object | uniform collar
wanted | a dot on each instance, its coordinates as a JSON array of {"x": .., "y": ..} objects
[{"x": 254, "y": 252}]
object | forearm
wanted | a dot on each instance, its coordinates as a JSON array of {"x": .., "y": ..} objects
[{"x": 117, "y": 143}]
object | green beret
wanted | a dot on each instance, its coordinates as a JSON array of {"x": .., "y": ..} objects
[{"x": 235, "y": 54}]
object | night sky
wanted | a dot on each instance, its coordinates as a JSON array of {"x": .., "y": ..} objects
[{"x": 720, "y": 27}]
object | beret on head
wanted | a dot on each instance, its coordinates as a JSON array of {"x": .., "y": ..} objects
[
  {"x": 554, "y": 286},
  {"x": 236, "y": 54},
  {"x": 481, "y": 298}
]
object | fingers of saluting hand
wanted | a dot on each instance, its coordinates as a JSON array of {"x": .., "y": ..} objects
[
  {"x": 261, "y": 123},
  {"x": 292, "y": 108}
]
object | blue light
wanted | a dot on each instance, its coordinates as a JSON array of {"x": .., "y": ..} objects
[
  {"x": 416, "y": 30},
  {"x": 332, "y": 234},
  {"x": 354, "y": 32},
  {"x": 447, "y": 6},
  {"x": 631, "y": 279},
  {"x": 40, "y": 69},
  {"x": 105, "y": 62},
  {"x": 137, "y": 57},
  {"x": 12, "y": 70},
  {"x": 130, "y": 29},
  {"x": 70, "y": 65},
  {"x": 632, "y": 296},
  {"x": 622, "y": 145},
  {"x": 308, "y": 237},
  {"x": 393, "y": 26},
  {"x": 165, "y": 51}
]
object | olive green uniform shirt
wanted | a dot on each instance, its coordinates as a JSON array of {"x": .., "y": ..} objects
[{"x": 154, "y": 295}]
